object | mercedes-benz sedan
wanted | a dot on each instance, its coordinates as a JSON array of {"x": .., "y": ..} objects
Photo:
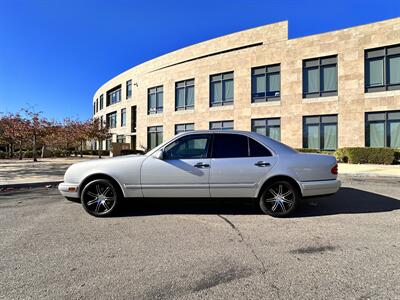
[{"x": 204, "y": 164}]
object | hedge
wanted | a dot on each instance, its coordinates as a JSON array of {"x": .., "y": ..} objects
[
  {"x": 307, "y": 150},
  {"x": 130, "y": 151},
  {"x": 364, "y": 155},
  {"x": 361, "y": 155}
]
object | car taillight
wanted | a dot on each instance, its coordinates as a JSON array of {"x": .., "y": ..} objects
[{"x": 334, "y": 170}]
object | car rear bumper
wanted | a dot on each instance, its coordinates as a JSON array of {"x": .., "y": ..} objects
[
  {"x": 68, "y": 190},
  {"x": 320, "y": 187}
]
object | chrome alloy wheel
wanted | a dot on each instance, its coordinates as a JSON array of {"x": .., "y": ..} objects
[
  {"x": 279, "y": 199},
  {"x": 99, "y": 197}
]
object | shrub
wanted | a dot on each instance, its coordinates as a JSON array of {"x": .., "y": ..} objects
[
  {"x": 29, "y": 154},
  {"x": 365, "y": 155},
  {"x": 397, "y": 156},
  {"x": 103, "y": 152},
  {"x": 86, "y": 152},
  {"x": 129, "y": 151},
  {"x": 57, "y": 153},
  {"x": 341, "y": 155},
  {"x": 3, "y": 155},
  {"x": 306, "y": 150}
]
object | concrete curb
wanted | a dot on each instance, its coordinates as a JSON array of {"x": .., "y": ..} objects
[
  {"x": 368, "y": 178},
  {"x": 29, "y": 184},
  {"x": 348, "y": 176}
]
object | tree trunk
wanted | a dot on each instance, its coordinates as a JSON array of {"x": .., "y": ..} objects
[
  {"x": 20, "y": 150},
  {"x": 11, "y": 150},
  {"x": 43, "y": 150},
  {"x": 81, "y": 148},
  {"x": 99, "y": 148},
  {"x": 34, "y": 148}
]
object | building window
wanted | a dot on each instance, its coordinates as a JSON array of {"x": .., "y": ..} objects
[
  {"x": 382, "y": 129},
  {"x": 320, "y": 77},
  {"x": 108, "y": 143},
  {"x": 93, "y": 145},
  {"x": 154, "y": 136},
  {"x": 133, "y": 142},
  {"x": 101, "y": 122},
  {"x": 221, "y": 125},
  {"x": 114, "y": 95},
  {"x": 155, "y": 100},
  {"x": 120, "y": 139},
  {"x": 320, "y": 132},
  {"x": 133, "y": 118},
  {"x": 94, "y": 107},
  {"x": 179, "y": 128},
  {"x": 101, "y": 101},
  {"x": 382, "y": 69},
  {"x": 97, "y": 105},
  {"x": 100, "y": 144},
  {"x": 221, "y": 89},
  {"x": 111, "y": 120},
  {"x": 184, "y": 95},
  {"x": 123, "y": 117},
  {"x": 269, "y": 127},
  {"x": 266, "y": 83},
  {"x": 128, "y": 89}
]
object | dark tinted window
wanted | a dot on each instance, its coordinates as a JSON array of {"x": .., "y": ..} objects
[
  {"x": 230, "y": 145},
  {"x": 188, "y": 147},
  {"x": 256, "y": 149}
]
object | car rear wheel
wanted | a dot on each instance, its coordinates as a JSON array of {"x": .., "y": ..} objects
[
  {"x": 279, "y": 199},
  {"x": 100, "y": 198}
]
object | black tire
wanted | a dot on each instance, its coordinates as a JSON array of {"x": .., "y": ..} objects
[
  {"x": 279, "y": 199},
  {"x": 100, "y": 197}
]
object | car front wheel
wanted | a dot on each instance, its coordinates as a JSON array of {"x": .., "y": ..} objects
[
  {"x": 279, "y": 199},
  {"x": 100, "y": 198}
]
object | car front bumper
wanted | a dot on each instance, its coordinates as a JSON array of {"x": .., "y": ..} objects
[
  {"x": 69, "y": 190},
  {"x": 320, "y": 187}
]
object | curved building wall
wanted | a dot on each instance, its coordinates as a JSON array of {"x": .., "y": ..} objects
[{"x": 239, "y": 53}]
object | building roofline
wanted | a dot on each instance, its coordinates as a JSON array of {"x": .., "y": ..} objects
[{"x": 235, "y": 46}]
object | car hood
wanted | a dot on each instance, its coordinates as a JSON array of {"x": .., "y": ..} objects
[{"x": 109, "y": 166}]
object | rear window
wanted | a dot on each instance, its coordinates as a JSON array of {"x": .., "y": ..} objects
[
  {"x": 237, "y": 145},
  {"x": 230, "y": 145},
  {"x": 257, "y": 150}
]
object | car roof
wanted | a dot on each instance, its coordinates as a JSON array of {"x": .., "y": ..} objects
[{"x": 276, "y": 146}]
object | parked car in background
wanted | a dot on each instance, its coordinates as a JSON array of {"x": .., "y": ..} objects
[{"x": 204, "y": 164}]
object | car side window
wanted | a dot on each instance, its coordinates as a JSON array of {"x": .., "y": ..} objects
[
  {"x": 230, "y": 146},
  {"x": 257, "y": 150},
  {"x": 187, "y": 147}
]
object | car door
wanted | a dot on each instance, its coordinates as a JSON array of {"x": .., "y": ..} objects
[
  {"x": 184, "y": 170},
  {"x": 238, "y": 164}
]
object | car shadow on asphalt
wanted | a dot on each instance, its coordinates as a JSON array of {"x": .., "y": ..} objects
[{"x": 345, "y": 201}]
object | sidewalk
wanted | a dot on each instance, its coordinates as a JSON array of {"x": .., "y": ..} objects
[
  {"x": 51, "y": 171},
  {"x": 46, "y": 170},
  {"x": 369, "y": 170}
]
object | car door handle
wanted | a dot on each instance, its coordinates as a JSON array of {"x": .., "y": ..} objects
[
  {"x": 262, "y": 164},
  {"x": 201, "y": 165}
]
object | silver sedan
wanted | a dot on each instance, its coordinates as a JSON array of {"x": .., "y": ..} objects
[{"x": 205, "y": 164}]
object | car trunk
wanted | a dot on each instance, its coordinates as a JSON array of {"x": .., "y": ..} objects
[{"x": 313, "y": 167}]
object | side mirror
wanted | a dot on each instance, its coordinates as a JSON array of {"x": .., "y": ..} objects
[{"x": 159, "y": 154}]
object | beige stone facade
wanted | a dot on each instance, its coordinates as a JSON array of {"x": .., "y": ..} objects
[{"x": 242, "y": 51}]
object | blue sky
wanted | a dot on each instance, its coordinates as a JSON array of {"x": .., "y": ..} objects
[{"x": 55, "y": 54}]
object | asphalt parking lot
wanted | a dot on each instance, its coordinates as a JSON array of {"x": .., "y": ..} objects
[{"x": 344, "y": 246}]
